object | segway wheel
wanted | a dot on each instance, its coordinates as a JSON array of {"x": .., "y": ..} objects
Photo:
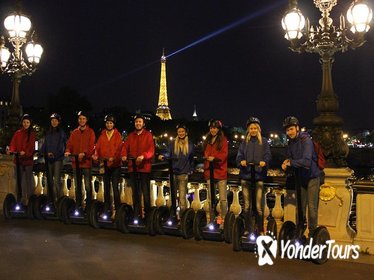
[
  {"x": 237, "y": 232},
  {"x": 58, "y": 206},
  {"x": 161, "y": 216},
  {"x": 187, "y": 223},
  {"x": 97, "y": 207},
  {"x": 271, "y": 228},
  {"x": 8, "y": 204},
  {"x": 66, "y": 208},
  {"x": 37, "y": 205},
  {"x": 150, "y": 220},
  {"x": 287, "y": 232},
  {"x": 320, "y": 236},
  {"x": 30, "y": 206},
  {"x": 125, "y": 215},
  {"x": 199, "y": 223},
  {"x": 227, "y": 229}
]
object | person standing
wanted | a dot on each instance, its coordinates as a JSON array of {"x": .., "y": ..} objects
[
  {"x": 302, "y": 158},
  {"x": 254, "y": 152},
  {"x": 23, "y": 143},
  {"x": 53, "y": 150},
  {"x": 215, "y": 149},
  {"x": 181, "y": 152},
  {"x": 139, "y": 148},
  {"x": 108, "y": 148},
  {"x": 81, "y": 142}
]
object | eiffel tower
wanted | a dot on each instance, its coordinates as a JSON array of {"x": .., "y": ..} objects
[{"x": 163, "y": 110}]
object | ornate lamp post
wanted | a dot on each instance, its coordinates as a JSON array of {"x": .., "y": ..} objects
[
  {"x": 326, "y": 39},
  {"x": 14, "y": 63}
]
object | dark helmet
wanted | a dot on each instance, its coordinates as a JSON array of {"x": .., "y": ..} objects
[
  {"x": 139, "y": 116},
  {"x": 110, "y": 118},
  {"x": 82, "y": 113},
  {"x": 26, "y": 117},
  {"x": 215, "y": 123},
  {"x": 55, "y": 116},
  {"x": 290, "y": 121},
  {"x": 182, "y": 125},
  {"x": 253, "y": 120}
]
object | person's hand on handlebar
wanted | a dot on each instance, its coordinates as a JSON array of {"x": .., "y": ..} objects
[
  {"x": 161, "y": 157},
  {"x": 243, "y": 163},
  {"x": 262, "y": 163},
  {"x": 124, "y": 158},
  {"x": 139, "y": 159},
  {"x": 67, "y": 154},
  {"x": 210, "y": 158},
  {"x": 81, "y": 156}
]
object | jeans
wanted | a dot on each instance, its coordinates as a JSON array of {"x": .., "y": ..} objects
[
  {"x": 112, "y": 175},
  {"x": 310, "y": 196},
  {"x": 27, "y": 182},
  {"x": 222, "y": 191},
  {"x": 260, "y": 202},
  {"x": 181, "y": 181},
  {"x": 54, "y": 170},
  {"x": 140, "y": 184},
  {"x": 87, "y": 177}
]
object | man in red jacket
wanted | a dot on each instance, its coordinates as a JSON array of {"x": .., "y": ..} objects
[
  {"x": 139, "y": 149},
  {"x": 23, "y": 143},
  {"x": 108, "y": 147},
  {"x": 81, "y": 142}
]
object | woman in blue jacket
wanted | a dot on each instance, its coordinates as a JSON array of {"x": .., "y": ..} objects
[
  {"x": 181, "y": 150},
  {"x": 53, "y": 150},
  {"x": 254, "y": 150}
]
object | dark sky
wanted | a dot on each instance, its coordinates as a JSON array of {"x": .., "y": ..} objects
[{"x": 109, "y": 51}]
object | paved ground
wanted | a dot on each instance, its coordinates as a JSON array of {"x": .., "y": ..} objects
[{"x": 31, "y": 249}]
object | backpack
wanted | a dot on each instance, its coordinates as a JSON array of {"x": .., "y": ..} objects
[{"x": 321, "y": 161}]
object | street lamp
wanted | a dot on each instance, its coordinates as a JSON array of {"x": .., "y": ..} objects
[
  {"x": 326, "y": 39},
  {"x": 13, "y": 62}
]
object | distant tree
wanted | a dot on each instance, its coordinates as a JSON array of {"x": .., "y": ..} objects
[{"x": 68, "y": 102}]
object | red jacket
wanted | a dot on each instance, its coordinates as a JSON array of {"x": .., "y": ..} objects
[
  {"x": 19, "y": 143},
  {"x": 220, "y": 168},
  {"x": 82, "y": 141},
  {"x": 139, "y": 145},
  {"x": 109, "y": 148}
]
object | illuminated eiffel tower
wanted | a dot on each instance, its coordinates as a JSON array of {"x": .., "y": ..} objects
[{"x": 163, "y": 110}]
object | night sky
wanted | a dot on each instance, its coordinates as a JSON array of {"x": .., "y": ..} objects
[{"x": 110, "y": 52}]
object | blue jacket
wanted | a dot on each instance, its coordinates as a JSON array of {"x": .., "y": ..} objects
[
  {"x": 301, "y": 153},
  {"x": 183, "y": 164},
  {"x": 253, "y": 152},
  {"x": 55, "y": 142}
]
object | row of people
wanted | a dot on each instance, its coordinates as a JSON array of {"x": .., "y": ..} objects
[{"x": 139, "y": 149}]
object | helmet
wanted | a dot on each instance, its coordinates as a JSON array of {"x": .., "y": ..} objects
[
  {"x": 182, "y": 125},
  {"x": 290, "y": 121},
  {"x": 139, "y": 116},
  {"x": 109, "y": 118},
  {"x": 253, "y": 120},
  {"x": 55, "y": 116},
  {"x": 215, "y": 123},
  {"x": 82, "y": 113},
  {"x": 26, "y": 117}
]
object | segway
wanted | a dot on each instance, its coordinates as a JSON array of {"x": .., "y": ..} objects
[
  {"x": 201, "y": 228},
  {"x": 245, "y": 231},
  {"x": 72, "y": 211},
  {"x": 295, "y": 233},
  {"x": 12, "y": 206},
  {"x": 100, "y": 215},
  {"x": 167, "y": 220},
  {"x": 44, "y": 206},
  {"x": 128, "y": 221}
]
